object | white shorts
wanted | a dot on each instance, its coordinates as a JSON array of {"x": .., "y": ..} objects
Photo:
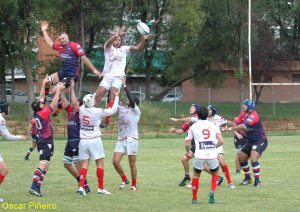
[
  {"x": 220, "y": 150},
  {"x": 109, "y": 82},
  {"x": 211, "y": 163},
  {"x": 91, "y": 149},
  {"x": 129, "y": 146},
  {"x": 1, "y": 158}
]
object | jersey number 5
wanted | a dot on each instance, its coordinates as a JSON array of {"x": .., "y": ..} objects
[{"x": 86, "y": 120}]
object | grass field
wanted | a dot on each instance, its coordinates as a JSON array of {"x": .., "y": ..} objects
[{"x": 159, "y": 172}]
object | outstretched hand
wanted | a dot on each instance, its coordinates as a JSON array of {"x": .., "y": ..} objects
[
  {"x": 44, "y": 25},
  {"x": 173, "y": 119}
]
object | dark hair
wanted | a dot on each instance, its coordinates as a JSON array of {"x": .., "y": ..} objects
[
  {"x": 35, "y": 105},
  {"x": 136, "y": 99},
  {"x": 4, "y": 107},
  {"x": 80, "y": 100},
  {"x": 202, "y": 113}
]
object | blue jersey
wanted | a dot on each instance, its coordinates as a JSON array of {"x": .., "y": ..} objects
[
  {"x": 73, "y": 124},
  {"x": 253, "y": 126},
  {"x": 69, "y": 55}
]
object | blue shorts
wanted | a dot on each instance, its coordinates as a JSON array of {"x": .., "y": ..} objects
[
  {"x": 69, "y": 75},
  {"x": 72, "y": 148},
  {"x": 34, "y": 137},
  {"x": 258, "y": 146},
  {"x": 238, "y": 143},
  {"x": 45, "y": 148}
]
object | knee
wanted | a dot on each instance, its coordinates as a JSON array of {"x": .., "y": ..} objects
[
  {"x": 116, "y": 162},
  {"x": 4, "y": 171},
  {"x": 67, "y": 165}
]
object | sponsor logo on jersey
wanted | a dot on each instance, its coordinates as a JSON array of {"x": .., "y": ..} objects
[
  {"x": 207, "y": 145},
  {"x": 87, "y": 128}
]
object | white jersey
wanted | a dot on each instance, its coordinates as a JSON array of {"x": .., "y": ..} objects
[
  {"x": 204, "y": 134},
  {"x": 90, "y": 119},
  {"x": 128, "y": 122},
  {"x": 217, "y": 120},
  {"x": 4, "y": 131},
  {"x": 115, "y": 61}
]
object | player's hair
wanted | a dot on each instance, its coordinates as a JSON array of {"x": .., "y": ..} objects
[
  {"x": 213, "y": 109},
  {"x": 202, "y": 113},
  {"x": 80, "y": 100},
  {"x": 62, "y": 33},
  {"x": 136, "y": 100},
  {"x": 4, "y": 107},
  {"x": 35, "y": 105}
]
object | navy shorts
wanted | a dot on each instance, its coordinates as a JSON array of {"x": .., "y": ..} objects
[
  {"x": 63, "y": 74},
  {"x": 34, "y": 137},
  {"x": 45, "y": 148},
  {"x": 258, "y": 146},
  {"x": 238, "y": 143},
  {"x": 72, "y": 148},
  {"x": 193, "y": 146}
]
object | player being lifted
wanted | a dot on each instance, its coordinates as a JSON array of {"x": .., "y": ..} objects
[
  {"x": 207, "y": 138},
  {"x": 114, "y": 67},
  {"x": 128, "y": 138},
  {"x": 69, "y": 53}
]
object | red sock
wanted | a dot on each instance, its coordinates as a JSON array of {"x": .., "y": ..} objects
[
  {"x": 226, "y": 173},
  {"x": 214, "y": 182},
  {"x": 82, "y": 176},
  {"x": 195, "y": 186},
  {"x": 133, "y": 182},
  {"x": 100, "y": 176},
  {"x": 1, "y": 178},
  {"x": 109, "y": 105},
  {"x": 124, "y": 178}
]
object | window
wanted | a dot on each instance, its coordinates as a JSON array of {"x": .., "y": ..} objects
[{"x": 295, "y": 77}]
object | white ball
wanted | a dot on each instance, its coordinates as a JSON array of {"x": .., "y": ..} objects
[
  {"x": 143, "y": 28},
  {"x": 89, "y": 100}
]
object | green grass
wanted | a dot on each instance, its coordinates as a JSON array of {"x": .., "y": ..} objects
[{"x": 159, "y": 172}]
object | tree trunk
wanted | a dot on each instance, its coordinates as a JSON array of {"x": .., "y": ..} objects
[
  {"x": 2, "y": 81},
  {"x": 30, "y": 86}
]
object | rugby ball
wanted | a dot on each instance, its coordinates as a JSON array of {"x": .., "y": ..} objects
[{"x": 143, "y": 28}]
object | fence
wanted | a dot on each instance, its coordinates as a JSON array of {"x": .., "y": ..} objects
[{"x": 161, "y": 130}]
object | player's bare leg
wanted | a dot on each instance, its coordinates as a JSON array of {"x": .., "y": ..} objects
[
  {"x": 100, "y": 93},
  {"x": 186, "y": 166},
  {"x": 117, "y": 157},
  {"x": 133, "y": 169}
]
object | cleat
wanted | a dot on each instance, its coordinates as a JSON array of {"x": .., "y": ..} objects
[
  {"x": 231, "y": 186},
  {"x": 123, "y": 184},
  {"x": 87, "y": 188},
  {"x": 2, "y": 200},
  {"x": 26, "y": 158},
  {"x": 194, "y": 201},
  {"x": 220, "y": 180},
  {"x": 211, "y": 198},
  {"x": 81, "y": 191},
  {"x": 35, "y": 192},
  {"x": 246, "y": 181},
  {"x": 257, "y": 183},
  {"x": 185, "y": 181},
  {"x": 133, "y": 189},
  {"x": 103, "y": 191}
]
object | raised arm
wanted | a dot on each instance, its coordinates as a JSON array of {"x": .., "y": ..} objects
[
  {"x": 141, "y": 45},
  {"x": 44, "y": 27},
  {"x": 112, "y": 39},
  {"x": 90, "y": 65},
  {"x": 73, "y": 97},
  {"x": 129, "y": 96}
]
